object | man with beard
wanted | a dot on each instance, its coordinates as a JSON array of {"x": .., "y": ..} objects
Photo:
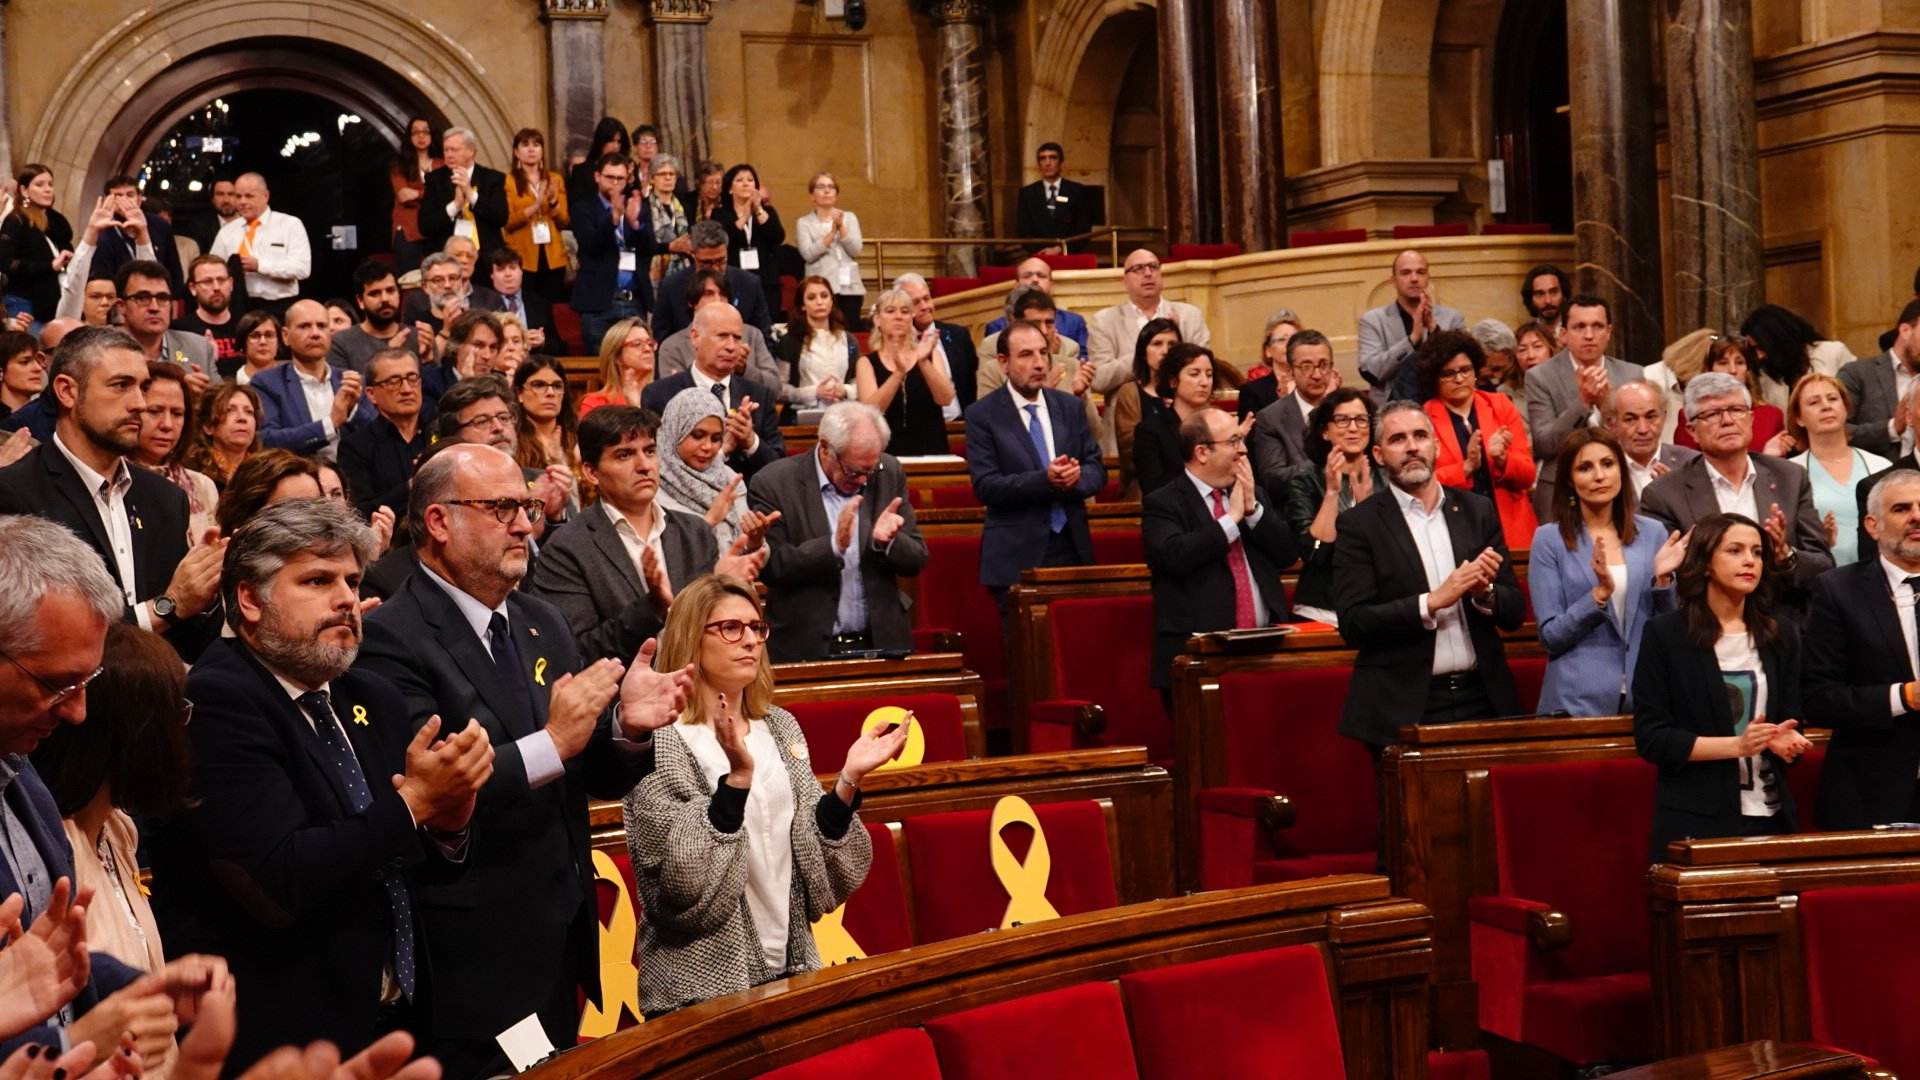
[
  {"x": 320, "y": 819},
  {"x": 213, "y": 312},
  {"x": 1423, "y": 587},
  {"x": 377, "y": 293},
  {"x": 307, "y": 404},
  {"x": 446, "y": 291},
  {"x": 135, "y": 519},
  {"x": 520, "y": 937},
  {"x": 1545, "y": 291}
]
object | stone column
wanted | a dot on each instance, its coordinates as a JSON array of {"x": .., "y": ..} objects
[
  {"x": 1253, "y": 199},
  {"x": 6, "y": 109},
  {"x": 1185, "y": 115},
  {"x": 680, "y": 78},
  {"x": 577, "y": 87},
  {"x": 1615, "y": 195},
  {"x": 1716, "y": 165},
  {"x": 962, "y": 41}
]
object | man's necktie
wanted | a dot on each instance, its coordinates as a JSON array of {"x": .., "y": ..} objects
[
  {"x": 339, "y": 754},
  {"x": 1052, "y": 194},
  {"x": 1243, "y": 618},
  {"x": 1057, "y": 517},
  {"x": 246, "y": 243},
  {"x": 512, "y": 672},
  {"x": 720, "y": 392}
]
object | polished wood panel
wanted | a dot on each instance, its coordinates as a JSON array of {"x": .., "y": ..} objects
[{"x": 1750, "y": 1061}]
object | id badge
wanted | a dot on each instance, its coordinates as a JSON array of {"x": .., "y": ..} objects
[
  {"x": 466, "y": 228},
  {"x": 542, "y": 234},
  {"x": 749, "y": 259},
  {"x": 629, "y": 261},
  {"x": 846, "y": 277}
]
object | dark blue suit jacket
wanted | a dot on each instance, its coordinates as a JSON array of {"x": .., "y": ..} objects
[
  {"x": 766, "y": 418},
  {"x": 36, "y": 416},
  {"x": 1010, "y": 480},
  {"x": 600, "y": 248},
  {"x": 33, "y": 804},
  {"x": 1068, "y": 324},
  {"x": 287, "y": 423}
]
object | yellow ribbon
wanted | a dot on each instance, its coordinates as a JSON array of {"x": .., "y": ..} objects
[
  {"x": 914, "y": 752},
  {"x": 619, "y": 978},
  {"x": 1025, "y": 882},
  {"x": 836, "y": 944},
  {"x": 360, "y": 715},
  {"x": 540, "y": 672}
]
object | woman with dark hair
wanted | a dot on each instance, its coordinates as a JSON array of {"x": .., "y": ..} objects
[
  {"x": 709, "y": 191},
  {"x": 166, "y": 432},
  {"x": 536, "y": 212},
  {"x": 543, "y": 406},
  {"x": 23, "y": 371},
  {"x": 1480, "y": 439},
  {"x": 1733, "y": 356},
  {"x": 226, "y": 429},
  {"x": 1716, "y": 693},
  {"x": 1135, "y": 400},
  {"x": 1338, "y": 442},
  {"x": 609, "y": 137},
  {"x": 818, "y": 350},
  {"x": 1783, "y": 348},
  {"x": 1185, "y": 382},
  {"x": 258, "y": 333},
  {"x": 265, "y": 478},
  {"x": 407, "y": 174},
  {"x": 1597, "y": 573},
  {"x": 754, "y": 232},
  {"x": 36, "y": 243}
]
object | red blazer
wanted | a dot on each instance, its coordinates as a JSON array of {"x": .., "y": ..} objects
[{"x": 1512, "y": 485}]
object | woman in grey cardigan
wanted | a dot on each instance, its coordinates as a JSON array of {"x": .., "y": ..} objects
[{"x": 736, "y": 851}]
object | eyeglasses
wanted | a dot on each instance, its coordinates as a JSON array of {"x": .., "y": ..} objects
[
  {"x": 499, "y": 419},
  {"x": 395, "y": 382},
  {"x": 503, "y": 510},
  {"x": 852, "y": 473},
  {"x": 1141, "y": 268},
  {"x": 1237, "y": 440},
  {"x": 149, "y": 299},
  {"x": 1726, "y": 412},
  {"x": 442, "y": 279},
  {"x": 1312, "y": 367},
  {"x": 58, "y": 694},
  {"x": 1349, "y": 422},
  {"x": 1456, "y": 375},
  {"x": 546, "y": 386},
  {"x": 732, "y": 630}
]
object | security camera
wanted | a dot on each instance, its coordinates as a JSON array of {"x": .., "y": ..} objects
[{"x": 856, "y": 15}]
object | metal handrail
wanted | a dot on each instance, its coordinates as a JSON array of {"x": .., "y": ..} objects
[{"x": 1109, "y": 233}]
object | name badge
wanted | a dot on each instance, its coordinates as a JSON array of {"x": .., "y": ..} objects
[
  {"x": 846, "y": 277},
  {"x": 466, "y": 228},
  {"x": 749, "y": 259},
  {"x": 629, "y": 261},
  {"x": 1060, "y": 198},
  {"x": 542, "y": 233}
]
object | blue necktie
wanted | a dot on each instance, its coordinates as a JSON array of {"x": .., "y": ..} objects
[
  {"x": 511, "y": 669},
  {"x": 1057, "y": 517},
  {"x": 340, "y": 753}
]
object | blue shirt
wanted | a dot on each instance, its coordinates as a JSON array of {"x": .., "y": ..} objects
[{"x": 850, "y": 616}]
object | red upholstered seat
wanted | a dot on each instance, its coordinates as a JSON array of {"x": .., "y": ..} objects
[
  {"x": 1103, "y": 653},
  {"x": 1183, "y": 252},
  {"x": 1070, "y": 262},
  {"x": 1588, "y": 1002},
  {"x": 832, "y": 726},
  {"x": 951, "y": 496},
  {"x": 951, "y": 597},
  {"x": 1458, "y": 1065},
  {"x": 1528, "y": 673},
  {"x": 901, "y": 1054},
  {"x": 995, "y": 275},
  {"x": 1079, "y": 1031},
  {"x": 1803, "y": 779},
  {"x": 876, "y": 915},
  {"x": 567, "y": 322},
  {"x": 1119, "y": 547},
  {"x": 1295, "y": 751},
  {"x": 1862, "y": 955},
  {"x": 955, "y": 891},
  {"x": 1428, "y": 232},
  {"x": 1323, "y": 237},
  {"x": 1518, "y": 228},
  {"x": 1267, "y": 1014},
  {"x": 944, "y": 286}
]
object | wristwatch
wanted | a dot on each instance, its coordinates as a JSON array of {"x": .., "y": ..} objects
[{"x": 163, "y": 606}]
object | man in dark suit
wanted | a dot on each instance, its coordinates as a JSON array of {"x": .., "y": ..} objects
[
  {"x": 297, "y": 859},
  {"x": 1423, "y": 587},
  {"x": 1862, "y": 667},
  {"x": 615, "y": 241},
  {"x": 1569, "y": 390},
  {"x": 956, "y": 345},
  {"x": 1278, "y": 443},
  {"x": 447, "y": 291},
  {"x": 753, "y": 438},
  {"x": 1034, "y": 465},
  {"x": 534, "y": 311},
  {"x": 1636, "y": 413},
  {"x": 674, "y": 311},
  {"x": 461, "y": 197},
  {"x": 1216, "y": 544},
  {"x": 1910, "y": 408},
  {"x": 1876, "y": 386},
  {"x": 518, "y": 935},
  {"x": 613, "y": 570},
  {"x": 1054, "y": 205},
  {"x": 844, "y": 538},
  {"x": 133, "y": 518},
  {"x": 376, "y": 458},
  {"x": 289, "y": 391}
]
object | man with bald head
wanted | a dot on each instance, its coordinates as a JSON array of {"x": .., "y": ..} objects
[
  {"x": 306, "y": 404},
  {"x": 1037, "y": 273},
  {"x": 463, "y": 198},
  {"x": 271, "y": 247},
  {"x": 1389, "y": 334},
  {"x": 1112, "y": 333},
  {"x": 1636, "y": 415},
  {"x": 719, "y": 339}
]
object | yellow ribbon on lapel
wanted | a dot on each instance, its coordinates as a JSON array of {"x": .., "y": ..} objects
[
  {"x": 1025, "y": 882},
  {"x": 540, "y": 672},
  {"x": 360, "y": 715},
  {"x": 619, "y": 977},
  {"x": 914, "y": 752}
]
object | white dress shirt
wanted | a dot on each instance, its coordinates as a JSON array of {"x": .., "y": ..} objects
[
  {"x": 1233, "y": 532},
  {"x": 1903, "y": 603},
  {"x": 110, "y": 502},
  {"x": 279, "y": 247},
  {"x": 637, "y": 544},
  {"x": 319, "y": 392},
  {"x": 768, "y": 823},
  {"x": 1452, "y": 644},
  {"x": 1735, "y": 500},
  {"x": 1046, "y": 422},
  {"x": 1642, "y": 475}
]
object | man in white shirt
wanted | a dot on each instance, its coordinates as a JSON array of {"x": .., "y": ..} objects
[
  {"x": 272, "y": 246},
  {"x": 1111, "y": 333},
  {"x": 1637, "y": 414}
]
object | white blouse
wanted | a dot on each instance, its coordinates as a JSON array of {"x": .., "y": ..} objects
[{"x": 768, "y": 824}]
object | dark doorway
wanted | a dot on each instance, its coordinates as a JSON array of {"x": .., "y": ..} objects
[{"x": 1532, "y": 122}]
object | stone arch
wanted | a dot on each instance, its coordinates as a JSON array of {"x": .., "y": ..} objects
[
  {"x": 1375, "y": 71},
  {"x": 1072, "y": 28},
  {"x": 115, "y": 80}
]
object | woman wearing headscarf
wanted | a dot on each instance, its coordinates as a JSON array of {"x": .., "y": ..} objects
[{"x": 695, "y": 478}]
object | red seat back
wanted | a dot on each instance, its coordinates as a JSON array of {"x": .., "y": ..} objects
[
  {"x": 1803, "y": 779},
  {"x": 1079, "y": 1031},
  {"x": 876, "y": 915},
  {"x": 900, "y": 1054},
  {"x": 955, "y": 890},
  {"x": 1103, "y": 653},
  {"x": 1267, "y": 1014},
  {"x": 1297, "y": 750},
  {"x": 995, "y": 275},
  {"x": 1518, "y": 228},
  {"x": 567, "y": 322},
  {"x": 952, "y": 598},
  {"x": 1070, "y": 262},
  {"x": 1861, "y": 954},
  {"x": 832, "y": 726},
  {"x": 1183, "y": 252},
  {"x": 1119, "y": 547},
  {"x": 951, "y": 496},
  {"x": 1323, "y": 237},
  {"x": 1427, "y": 232},
  {"x": 943, "y": 286},
  {"x": 1603, "y": 811},
  {"x": 1528, "y": 673}
]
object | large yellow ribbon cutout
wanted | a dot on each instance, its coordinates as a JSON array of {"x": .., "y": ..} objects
[
  {"x": 619, "y": 978},
  {"x": 836, "y": 944},
  {"x": 1025, "y": 882},
  {"x": 911, "y": 754}
]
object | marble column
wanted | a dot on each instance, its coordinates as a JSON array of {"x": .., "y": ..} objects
[
  {"x": 961, "y": 40},
  {"x": 680, "y": 78},
  {"x": 1615, "y": 194},
  {"x": 1715, "y": 161},
  {"x": 1252, "y": 171},
  {"x": 1185, "y": 112},
  {"x": 577, "y": 87},
  {"x": 6, "y": 107}
]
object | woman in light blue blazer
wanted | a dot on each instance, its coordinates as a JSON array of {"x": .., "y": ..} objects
[{"x": 1597, "y": 573}]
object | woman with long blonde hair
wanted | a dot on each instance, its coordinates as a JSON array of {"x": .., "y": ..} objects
[{"x": 627, "y": 355}]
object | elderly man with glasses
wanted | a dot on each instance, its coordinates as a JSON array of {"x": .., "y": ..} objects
[
  {"x": 146, "y": 311},
  {"x": 1112, "y": 332}
]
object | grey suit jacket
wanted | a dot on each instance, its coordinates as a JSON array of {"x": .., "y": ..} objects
[
  {"x": 1386, "y": 353},
  {"x": 676, "y": 356},
  {"x": 584, "y": 571},
  {"x": 1554, "y": 410},
  {"x": 1871, "y": 385},
  {"x": 1278, "y": 443},
  {"x": 1685, "y": 495},
  {"x": 803, "y": 573},
  {"x": 184, "y": 348}
]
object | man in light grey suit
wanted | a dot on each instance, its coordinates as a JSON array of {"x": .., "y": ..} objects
[
  {"x": 1568, "y": 391},
  {"x": 1390, "y": 334},
  {"x": 1878, "y": 384},
  {"x": 1727, "y": 478},
  {"x": 844, "y": 538},
  {"x": 1637, "y": 414},
  {"x": 1278, "y": 441},
  {"x": 613, "y": 569}
]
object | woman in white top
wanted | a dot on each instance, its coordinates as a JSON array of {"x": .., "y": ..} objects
[
  {"x": 817, "y": 351},
  {"x": 829, "y": 240},
  {"x": 736, "y": 850},
  {"x": 1817, "y": 420}
]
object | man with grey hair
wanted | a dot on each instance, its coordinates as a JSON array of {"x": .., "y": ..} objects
[
  {"x": 1036, "y": 271},
  {"x": 1111, "y": 333},
  {"x": 271, "y": 246},
  {"x": 752, "y": 438},
  {"x": 1862, "y": 676},
  {"x": 321, "y": 820},
  {"x": 1070, "y": 372},
  {"x": 844, "y": 538},
  {"x": 462, "y": 198},
  {"x": 1636, "y": 414},
  {"x": 1728, "y": 479},
  {"x": 953, "y": 350},
  {"x": 445, "y": 292},
  {"x": 459, "y": 639},
  {"x": 1496, "y": 340},
  {"x": 1278, "y": 443},
  {"x": 673, "y": 311}
]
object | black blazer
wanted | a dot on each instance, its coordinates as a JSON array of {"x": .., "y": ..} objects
[
  {"x": 962, "y": 359},
  {"x": 270, "y": 869},
  {"x": 1377, "y": 582},
  {"x": 378, "y": 464},
  {"x": 766, "y": 417},
  {"x": 27, "y": 260},
  {"x": 387, "y": 573},
  {"x": 672, "y": 315},
  {"x": 584, "y": 571},
  {"x": 1304, "y": 491},
  {"x": 767, "y": 239},
  {"x": 1192, "y": 584},
  {"x": 600, "y": 245},
  {"x": 1072, "y": 212},
  {"x": 1679, "y": 696},
  {"x": 1855, "y": 651},
  {"x": 1865, "y": 488},
  {"x": 522, "y": 920},
  {"x": 1157, "y": 458},
  {"x": 1257, "y": 394},
  {"x": 489, "y": 207}
]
